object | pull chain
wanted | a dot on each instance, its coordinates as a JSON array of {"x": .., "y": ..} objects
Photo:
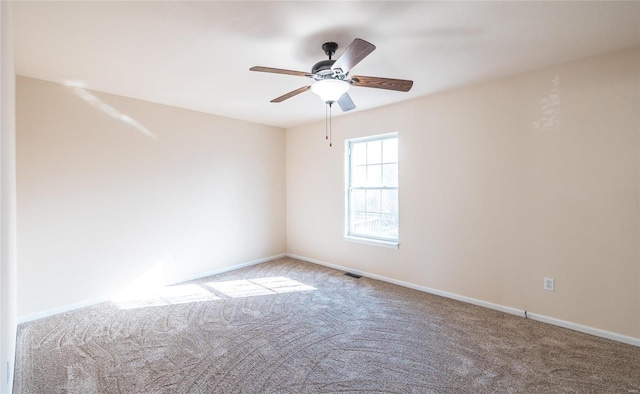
[
  {"x": 326, "y": 122},
  {"x": 330, "y": 125}
]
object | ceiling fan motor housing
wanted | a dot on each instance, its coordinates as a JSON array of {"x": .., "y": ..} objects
[{"x": 323, "y": 67}]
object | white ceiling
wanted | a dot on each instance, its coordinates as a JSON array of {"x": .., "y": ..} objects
[{"x": 197, "y": 55}]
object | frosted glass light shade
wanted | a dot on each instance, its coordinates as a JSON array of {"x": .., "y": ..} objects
[{"x": 330, "y": 90}]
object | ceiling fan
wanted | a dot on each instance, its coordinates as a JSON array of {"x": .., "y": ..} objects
[{"x": 332, "y": 79}]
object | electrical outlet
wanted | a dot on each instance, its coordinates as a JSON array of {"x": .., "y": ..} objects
[
  {"x": 549, "y": 284},
  {"x": 175, "y": 256},
  {"x": 315, "y": 241}
]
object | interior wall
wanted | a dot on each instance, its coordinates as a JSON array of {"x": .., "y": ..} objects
[
  {"x": 8, "y": 263},
  {"x": 112, "y": 191},
  {"x": 501, "y": 185}
]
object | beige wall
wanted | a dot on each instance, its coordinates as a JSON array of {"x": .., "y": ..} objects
[
  {"x": 491, "y": 200},
  {"x": 8, "y": 260},
  {"x": 110, "y": 187}
]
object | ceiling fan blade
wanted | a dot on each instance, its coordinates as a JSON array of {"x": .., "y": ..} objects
[
  {"x": 280, "y": 71},
  {"x": 291, "y": 94},
  {"x": 402, "y": 85},
  {"x": 345, "y": 103},
  {"x": 355, "y": 52}
]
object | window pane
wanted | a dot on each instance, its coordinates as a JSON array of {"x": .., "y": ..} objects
[
  {"x": 359, "y": 176},
  {"x": 358, "y": 200},
  {"x": 389, "y": 226},
  {"x": 359, "y": 154},
  {"x": 390, "y": 175},
  {"x": 389, "y": 201},
  {"x": 357, "y": 223},
  {"x": 373, "y": 200},
  {"x": 373, "y": 182},
  {"x": 372, "y": 226},
  {"x": 374, "y": 152},
  {"x": 374, "y": 175},
  {"x": 390, "y": 150}
]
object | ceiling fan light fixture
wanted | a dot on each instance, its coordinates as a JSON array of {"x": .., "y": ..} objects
[{"x": 330, "y": 90}]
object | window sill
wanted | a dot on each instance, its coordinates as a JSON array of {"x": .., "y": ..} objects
[{"x": 373, "y": 242}]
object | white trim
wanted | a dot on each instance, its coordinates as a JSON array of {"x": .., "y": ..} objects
[
  {"x": 534, "y": 316},
  {"x": 70, "y": 307},
  {"x": 62, "y": 309},
  {"x": 371, "y": 241},
  {"x": 227, "y": 269},
  {"x": 586, "y": 329},
  {"x": 375, "y": 137}
]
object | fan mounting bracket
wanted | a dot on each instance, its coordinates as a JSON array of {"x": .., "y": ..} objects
[{"x": 330, "y": 48}]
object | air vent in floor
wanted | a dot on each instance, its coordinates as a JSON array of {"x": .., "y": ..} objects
[{"x": 353, "y": 275}]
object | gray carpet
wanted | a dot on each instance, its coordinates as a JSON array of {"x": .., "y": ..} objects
[{"x": 288, "y": 326}]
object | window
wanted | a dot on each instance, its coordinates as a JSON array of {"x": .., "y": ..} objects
[{"x": 372, "y": 190}]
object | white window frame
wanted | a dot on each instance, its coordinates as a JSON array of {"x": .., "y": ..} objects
[{"x": 360, "y": 238}]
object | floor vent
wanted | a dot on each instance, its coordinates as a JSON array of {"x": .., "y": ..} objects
[{"x": 353, "y": 275}]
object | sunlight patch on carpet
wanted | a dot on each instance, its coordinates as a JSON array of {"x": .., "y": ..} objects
[
  {"x": 259, "y": 286},
  {"x": 145, "y": 295},
  {"x": 171, "y": 295}
]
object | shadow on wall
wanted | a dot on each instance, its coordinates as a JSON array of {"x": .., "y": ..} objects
[{"x": 78, "y": 89}]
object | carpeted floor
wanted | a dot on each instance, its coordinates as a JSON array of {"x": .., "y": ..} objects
[{"x": 288, "y": 326}]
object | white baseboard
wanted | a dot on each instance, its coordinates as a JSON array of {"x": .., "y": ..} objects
[
  {"x": 586, "y": 329},
  {"x": 62, "y": 309},
  {"x": 67, "y": 308},
  {"x": 227, "y": 269},
  {"x": 542, "y": 318}
]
